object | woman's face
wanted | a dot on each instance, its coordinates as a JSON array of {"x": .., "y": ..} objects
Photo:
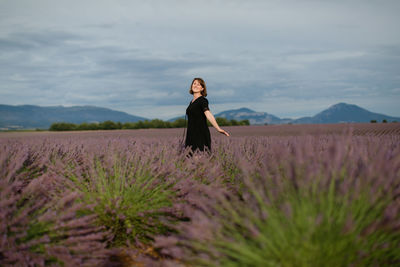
[{"x": 196, "y": 87}]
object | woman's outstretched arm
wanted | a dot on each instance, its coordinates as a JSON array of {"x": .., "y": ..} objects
[{"x": 214, "y": 123}]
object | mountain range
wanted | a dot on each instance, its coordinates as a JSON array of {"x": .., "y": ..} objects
[
  {"x": 253, "y": 116},
  {"x": 338, "y": 113},
  {"x": 29, "y": 116}
]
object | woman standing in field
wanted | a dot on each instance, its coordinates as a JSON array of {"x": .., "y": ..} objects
[{"x": 198, "y": 134}]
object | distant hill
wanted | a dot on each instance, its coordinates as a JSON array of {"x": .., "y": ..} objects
[
  {"x": 251, "y": 115},
  {"x": 343, "y": 112},
  {"x": 246, "y": 114},
  {"x": 29, "y": 116},
  {"x": 338, "y": 113}
]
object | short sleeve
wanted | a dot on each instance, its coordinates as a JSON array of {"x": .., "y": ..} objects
[{"x": 204, "y": 104}]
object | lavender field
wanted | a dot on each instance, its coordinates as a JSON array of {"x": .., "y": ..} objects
[{"x": 281, "y": 195}]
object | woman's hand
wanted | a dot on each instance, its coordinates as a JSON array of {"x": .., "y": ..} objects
[{"x": 223, "y": 132}]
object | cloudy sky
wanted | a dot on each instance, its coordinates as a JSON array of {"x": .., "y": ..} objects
[{"x": 290, "y": 58}]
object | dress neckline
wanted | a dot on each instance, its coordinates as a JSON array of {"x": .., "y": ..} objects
[{"x": 192, "y": 101}]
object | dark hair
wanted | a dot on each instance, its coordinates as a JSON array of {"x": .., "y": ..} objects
[{"x": 202, "y": 83}]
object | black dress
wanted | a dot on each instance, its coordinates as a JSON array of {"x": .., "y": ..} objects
[{"x": 198, "y": 134}]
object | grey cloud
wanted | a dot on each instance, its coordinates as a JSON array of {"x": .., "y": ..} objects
[
  {"x": 7, "y": 45},
  {"x": 37, "y": 39},
  {"x": 143, "y": 55}
]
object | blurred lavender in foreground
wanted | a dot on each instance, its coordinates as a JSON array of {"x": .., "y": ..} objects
[
  {"x": 102, "y": 199},
  {"x": 304, "y": 201},
  {"x": 39, "y": 227}
]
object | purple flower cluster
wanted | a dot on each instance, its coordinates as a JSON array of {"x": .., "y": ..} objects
[
  {"x": 86, "y": 199},
  {"x": 320, "y": 200},
  {"x": 40, "y": 222}
]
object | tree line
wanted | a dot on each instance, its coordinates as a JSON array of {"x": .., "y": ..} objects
[
  {"x": 156, "y": 123},
  {"x": 383, "y": 121}
]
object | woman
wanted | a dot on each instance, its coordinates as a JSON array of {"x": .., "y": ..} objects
[{"x": 198, "y": 134}]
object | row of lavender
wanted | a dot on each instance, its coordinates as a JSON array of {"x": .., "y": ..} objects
[{"x": 255, "y": 201}]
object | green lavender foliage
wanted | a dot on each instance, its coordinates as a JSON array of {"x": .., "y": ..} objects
[
  {"x": 131, "y": 195},
  {"x": 330, "y": 200},
  {"x": 39, "y": 228},
  {"x": 325, "y": 201}
]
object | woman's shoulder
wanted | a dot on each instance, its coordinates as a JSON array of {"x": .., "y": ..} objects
[{"x": 204, "y": 99}]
